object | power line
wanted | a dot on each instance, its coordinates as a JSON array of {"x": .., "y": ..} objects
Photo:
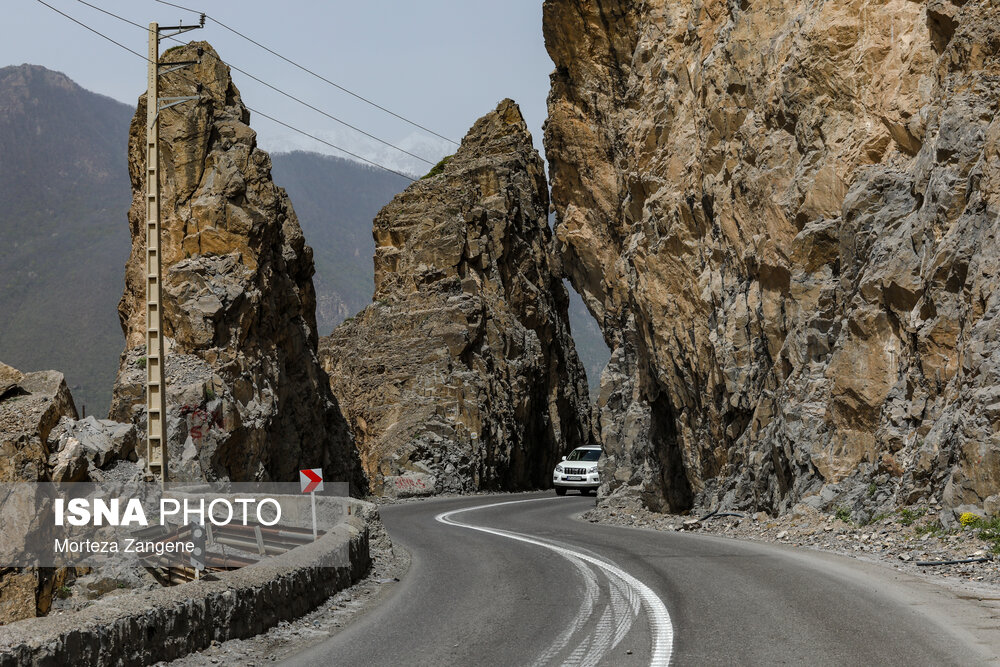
[
  {"x": 317, "y": 109},
  {"x": 120, "y": 18},
  {"x": 276, "y": 89},
  {"x": 260, "y": 113},
  {"x": 318, "y": 76},
  {"x": 322, "y": 141},
  {"x": 100, "y": 34}
]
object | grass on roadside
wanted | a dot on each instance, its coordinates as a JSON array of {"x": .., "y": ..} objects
[
  {"x": 908, "y": 517},
  {"x": 989, "y": 529}
]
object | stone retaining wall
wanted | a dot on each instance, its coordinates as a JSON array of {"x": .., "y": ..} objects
[{"x": 143, "y": 627}]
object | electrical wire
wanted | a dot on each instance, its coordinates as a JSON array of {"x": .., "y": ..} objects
[
  {"x": 311, "y": 72},
  {"x": 100, "y": 34},
  {"x": 120, "y": 18},
  {"x": 317, "y": 109},
  {"x": 323, "y": 141},
  {"x": 260, "y": 113},
  {"x": 275, "y": 89}
]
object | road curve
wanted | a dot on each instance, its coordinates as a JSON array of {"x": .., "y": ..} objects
[{"x": 519, "y": 581}]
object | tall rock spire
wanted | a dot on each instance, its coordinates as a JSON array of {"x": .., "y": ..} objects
[
  {"x": 247, "y": 398},
  {"x": 464, "y": 369}
]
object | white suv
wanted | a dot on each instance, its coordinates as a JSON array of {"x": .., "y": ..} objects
[{"x": 577, "y": 471}]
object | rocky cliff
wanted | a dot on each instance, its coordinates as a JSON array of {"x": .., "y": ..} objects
[
  {"x": 462, "y": 374},
  {"x": 784, "y": 215},
  {"x": 247, "y": 398}
]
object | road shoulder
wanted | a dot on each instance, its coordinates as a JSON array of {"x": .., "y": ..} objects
[{"x": 390, "y": 563}]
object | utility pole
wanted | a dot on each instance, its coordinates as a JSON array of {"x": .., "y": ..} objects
[{"x": 156, "y": 390}]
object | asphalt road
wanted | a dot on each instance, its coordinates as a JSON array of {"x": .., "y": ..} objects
[{"x": 519, "y": 581}]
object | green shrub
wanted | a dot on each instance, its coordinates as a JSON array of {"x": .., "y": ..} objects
[
  {"x": 932, "y": 528},
  {"x": 989, "y": 529},
  {"x": 438, "y": 168},
  {"x": 908, "y": 516},
  {"x": 866, "y": 520},
  {"x": 844, "y": 514}
]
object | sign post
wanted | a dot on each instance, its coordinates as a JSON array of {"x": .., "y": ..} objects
[
  {"x": 198, "y": 552},
  {"x": 311, "y": 481}
]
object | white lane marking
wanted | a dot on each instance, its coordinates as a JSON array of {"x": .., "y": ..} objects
[
  {"x": 660, "y": 626},
  {"x": 591, "y": 593},
  {"x": 600, "y": 642},
  {"x": 629, "y": 602}
]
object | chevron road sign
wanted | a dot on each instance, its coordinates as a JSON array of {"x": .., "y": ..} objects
[{"x": 311, "y": 480}]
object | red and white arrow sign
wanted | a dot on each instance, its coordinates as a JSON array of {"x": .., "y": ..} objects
[{"x": 311, "y": 480}]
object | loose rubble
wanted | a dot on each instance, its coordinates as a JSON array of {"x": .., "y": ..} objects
[{"x": 900, "y": 539}]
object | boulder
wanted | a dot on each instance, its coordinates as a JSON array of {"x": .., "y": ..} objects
[
  {"x": 80, "y": 449},
  {"x": 31, "y": 406}
]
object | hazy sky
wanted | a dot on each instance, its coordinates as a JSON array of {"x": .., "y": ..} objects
[{"x": 442, "y": 63}]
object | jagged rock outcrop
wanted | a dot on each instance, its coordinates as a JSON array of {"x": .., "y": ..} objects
[
  {"x": 247, "y": 398},
  {"x": 785, "y": 216},
  {"x": 31, "y": 405},
  {"x": 462, "y": 374},
  {"x": 83, "y": 450}
]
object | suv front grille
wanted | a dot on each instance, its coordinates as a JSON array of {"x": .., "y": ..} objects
[{"x": 576, "y": 471}]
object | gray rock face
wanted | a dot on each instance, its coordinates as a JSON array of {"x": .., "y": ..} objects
[
  {"x": 784, "y": 216},
  {"x": 247, "y": 398},
  {"x": 462, "y": 375},
  {"x": 80, "y": 450},
  {"x": 31, "y": 405}
]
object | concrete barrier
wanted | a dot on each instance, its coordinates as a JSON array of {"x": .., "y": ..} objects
[{"x": 142, "y": 627}]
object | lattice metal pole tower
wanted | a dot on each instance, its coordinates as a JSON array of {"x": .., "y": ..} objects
[{"x": 156, "y": 389}]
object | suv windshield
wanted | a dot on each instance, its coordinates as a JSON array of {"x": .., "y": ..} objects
[{"x": 584, "y": 455}]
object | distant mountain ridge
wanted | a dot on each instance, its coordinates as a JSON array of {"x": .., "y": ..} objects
[
  {"x": 336, "y": 200},
  {"x": 64, "y": 191}
]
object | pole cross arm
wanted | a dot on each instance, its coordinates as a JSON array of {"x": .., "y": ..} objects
[
  {"x": 173, "y": 67},
  {"x": 177, "y": 29},
  {"x": 170, "y": 102},
  {"x": 174, "y": 101}
]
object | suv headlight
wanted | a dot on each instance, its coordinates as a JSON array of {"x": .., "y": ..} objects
[{"x": 559, "y": 468}]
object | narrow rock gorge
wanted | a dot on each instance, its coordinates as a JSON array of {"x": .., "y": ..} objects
[
  {"x": 784, "y": 216},
  {"x": 247, "y": 397},
  {"x": 462, "y": 374}
]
